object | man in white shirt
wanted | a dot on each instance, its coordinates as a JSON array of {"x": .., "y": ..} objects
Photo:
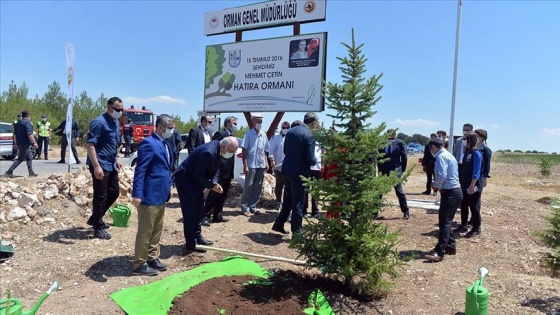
[
  {"x": 277, "y": 155},
  {"x": 458, "y": 151},
  {"x": 201, "y": 134},
  {"x": 316, "y": 172}
]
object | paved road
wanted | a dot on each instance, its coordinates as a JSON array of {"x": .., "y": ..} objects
[{"x": 46, "y": 168}]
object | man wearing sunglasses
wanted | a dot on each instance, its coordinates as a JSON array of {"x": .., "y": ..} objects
[{"x": 103, "y": 140}]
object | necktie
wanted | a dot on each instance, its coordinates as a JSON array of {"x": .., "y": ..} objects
[{"x": 167, "y": 151}]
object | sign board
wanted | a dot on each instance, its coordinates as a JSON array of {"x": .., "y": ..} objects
[
  {"x": 264, "y": 14},
  {"x": 270, "y": 75}
]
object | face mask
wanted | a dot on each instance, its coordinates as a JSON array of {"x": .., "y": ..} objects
[
  {"x": 116, "y": 115},
  {"x": 168, "y": 133},
  {"x": 44, "y": 120},
  {"x": 284, "y": 131},
  {"x": 464, "y": 142},
  {"x": 208, "y": 127},
  {"x": 258, "y": 126},
  {"x": 227, "y": 155},
  {"x": 233, "y": 129}
]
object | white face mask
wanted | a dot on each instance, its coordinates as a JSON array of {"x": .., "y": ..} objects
[
  {"x": 284, "y": 131},
  {"x": 116, "y": 115},
  {"x": 208, "y": 127},
  {"x": 464, "y": 142},
  {"x": 258, "y": 126},
  {"x": 233, "y": 129},
  {"x": 44, "y": 120},
  {"x": 227, "y": 155},
  {"x": 167, "y": 133}
]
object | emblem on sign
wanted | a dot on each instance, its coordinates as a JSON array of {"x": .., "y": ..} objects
[
  {"x": 234, "y": 58},
  {"x": 70, "y": 75}
]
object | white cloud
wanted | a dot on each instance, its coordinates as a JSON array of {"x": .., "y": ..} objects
[
  {"x": 550, "y": 132},
  {"x": 495, "y": 126},
  {"x": 160, "y": 99},
  {"x": 415, "y": 122}
]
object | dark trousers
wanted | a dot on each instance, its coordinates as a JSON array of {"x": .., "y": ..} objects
[
  {"x": 64, "y": 146},
  {"x": 127, "y": 143},
  {"x": 40, "y": 142},
  {"x": 25, "y": 153},
  {"x": 214, "y": 205},
  {"x": 314, "y": 203},
  {"x": 191, "y": 198},
  {"x": 402, "y": 198},
  {"x": 293, "y": 200},
  {"x": 279, "y": 185},
  {"x": 429, "y": 177},
  {"x": 450, "y": 200},
  {"x": 471, "y": 202},
  {"x": 105, "y": 193}
]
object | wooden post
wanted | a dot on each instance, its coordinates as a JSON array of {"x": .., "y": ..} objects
[
  {"x": 274, "y": 125},
  {"x": 293, "y": 261}
]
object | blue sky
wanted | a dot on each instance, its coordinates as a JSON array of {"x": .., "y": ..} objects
[{"x": 152, "y": 53}]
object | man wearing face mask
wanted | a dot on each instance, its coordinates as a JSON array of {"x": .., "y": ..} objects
[
  {"x": 459, "y": 145},
  {"x": 150, "y": 192},
  {"x": 277, "y": 155},
  {"x": 255, "y": 145},
  {"x": 201, "y": 134},
  {"x": 44, "y": 132},
  {"x": 201, "y": 170},
  {"x": 103, "y": 140},
  {"x": 214, "y": 205}
]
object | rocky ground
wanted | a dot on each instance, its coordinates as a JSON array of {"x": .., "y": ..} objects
[{"x": 44, "y": 218}]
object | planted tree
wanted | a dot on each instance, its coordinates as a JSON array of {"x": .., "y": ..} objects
[
  {"x": 551, "y": 237},
  {"x": 347, "y": 244}
]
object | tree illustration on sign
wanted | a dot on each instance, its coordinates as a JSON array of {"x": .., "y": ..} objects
[{"x": 215, "y": 58}]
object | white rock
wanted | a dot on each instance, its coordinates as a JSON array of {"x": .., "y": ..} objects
[
  {"x": 16, "y": 214},
  {"x": 50, "y": 220},
  {"x": 12, "y": 202},
  {"x": 15, "y": 194},
  {"x": 31, "y": 213},
  {"x": 3, "y": 217}
]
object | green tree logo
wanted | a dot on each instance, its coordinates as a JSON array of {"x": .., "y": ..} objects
[{"x": 215, "y": 59}]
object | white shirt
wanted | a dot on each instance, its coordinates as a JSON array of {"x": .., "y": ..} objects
[
  {"x": 318, "y": 156},
  {"x": 206, "y": 134},
  {"x": 277, "y": 149}
]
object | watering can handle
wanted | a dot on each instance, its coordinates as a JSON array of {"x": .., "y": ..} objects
[{"x": 475, "y": 292}]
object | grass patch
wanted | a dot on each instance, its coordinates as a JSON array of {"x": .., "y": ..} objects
[{"x": 525, "y": 158}]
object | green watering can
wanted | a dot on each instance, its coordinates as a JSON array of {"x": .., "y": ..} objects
[
  {"x": 477, "y": 296},
  {"x": 6, "y": 251},
  {"x": 12, "y": 306},
  {"x": 121, "y": 214}
]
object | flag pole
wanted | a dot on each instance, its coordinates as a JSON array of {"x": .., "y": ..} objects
[
  {"x": 455, "y": 69},
  {"x": 70, "y": 64}
]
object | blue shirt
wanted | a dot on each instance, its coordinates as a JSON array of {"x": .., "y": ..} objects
[
  {"x": 104, "y": 134},
  {"x": 22, "y": 130},
  {"x": 446, "y": 171},
  {"x": 256, "y": 145}
]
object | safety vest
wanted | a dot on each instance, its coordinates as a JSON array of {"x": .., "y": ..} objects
[{"x": 44, "y": 128}]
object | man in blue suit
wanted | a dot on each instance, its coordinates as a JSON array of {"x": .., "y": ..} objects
[
  {"x": 396, "y": 153},
  {"x": 150, "y": 192},
  {"x": 299, "y": 156},
  {"x": 200, "y": 170}
]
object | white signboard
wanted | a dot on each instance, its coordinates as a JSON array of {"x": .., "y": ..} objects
[
  {"x": 274, "y": 75},
  {"x": 264, "y": 14}
]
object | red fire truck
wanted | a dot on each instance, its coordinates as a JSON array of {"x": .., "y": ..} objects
[{"x": 143, "y": 121}]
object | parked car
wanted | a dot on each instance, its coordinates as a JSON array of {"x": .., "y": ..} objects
[{"x": 7, "y": 141}]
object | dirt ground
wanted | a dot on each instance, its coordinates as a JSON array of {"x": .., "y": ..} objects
[{"x": 90, "y": 269}]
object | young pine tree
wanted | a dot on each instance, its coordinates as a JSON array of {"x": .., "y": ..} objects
[{"x": 347, "y": 244}]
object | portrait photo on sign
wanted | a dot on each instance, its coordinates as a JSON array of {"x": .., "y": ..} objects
[{"x": 304, "y": 52}]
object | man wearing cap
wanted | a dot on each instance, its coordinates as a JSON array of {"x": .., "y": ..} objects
[
  {"x": 44, "y": 131},
  {"x": 255, "y": 145},
  {"x": 277, "y": 156}
]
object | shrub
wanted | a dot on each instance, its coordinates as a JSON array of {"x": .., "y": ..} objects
[
  {"x": 546, "y": 166},
  {"x": 551, "y": 237}
]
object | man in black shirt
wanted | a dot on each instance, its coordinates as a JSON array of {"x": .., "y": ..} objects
[{"x": 23, "y": 142}]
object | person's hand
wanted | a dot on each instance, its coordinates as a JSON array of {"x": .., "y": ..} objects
[
  {"x": 272, "y": 164},
  {"x": 15, "y": 146},
  {"x": 424, "y": 168},
  {"x": 246, "y": 170},
  {"x": 471, "y": 190},
  {"x": 35, "y": 145},
  {"x": 136, "y": 202},
  {"x": 484, "y": 182},
  {"x": 266, "y": 167},
  {"x": 217, "y": 188},
  {"x": 98, "y": 172},
  {"x": 119, "y": 165}
]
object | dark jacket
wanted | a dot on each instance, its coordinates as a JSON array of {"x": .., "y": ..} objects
[
  {"x": 227, "y": 165},
  {"x": 196, "y": 138},
  {"x": 396, "y": 153},
  {"x": 60, "y": 129},
  {"x": 299, "y": 152},
  {"x": 428, "y": 160},
  {"x": 202, "y": 165}
]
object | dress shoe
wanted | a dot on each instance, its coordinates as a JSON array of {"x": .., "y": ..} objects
[
  {"x": 61, "y": 162},
  {"x": 435, "y": 257},
  {"x": 220, "y": 220},
  {"x": 202, "y": 241},
  {"x": 461, "y": 229},
  {"x": 247, "y": 213},
  {"x": 473, "y": 233},
  {"x": 144, "y": 270},
  {"x": 205, "y": 222},
  {"x": 280, "y": 230},
  {"x": 9, "y": 175},
  {"x": 105, "y": 224},
  {"x": 305, "y": 216},
  {"x": 33, "y": 174},
  {"x": 78, "y": 162},
  {"x": 157, "y": 265},
  {"x": 450, "y": 250},
  {"x": 406, "y": 215},
  {"x": 427, "y": 192},
  {"x": 195, "y": 249},
  {"x": 255, "y": 211},
  {"x": 102, "y": 234}
]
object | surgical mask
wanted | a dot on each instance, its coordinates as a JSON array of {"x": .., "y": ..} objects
[
  {"x": 233, "y": 129},
  {"x": 258, "y": 126},
  {"x": 284, "y": 131},
  {"x": 116, "y": 115},
  {"x": 168, "y": 133},
  {"x": 464, "y": 142},
  {"x": 44, "y": 120},
  {"x": 227, "y": 155},
  {"x": 208, "y": 127}
]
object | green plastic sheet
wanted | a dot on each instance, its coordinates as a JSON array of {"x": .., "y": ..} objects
[
  {"x": 319, "y": 304},
  {"x": 155, "y": 298}
]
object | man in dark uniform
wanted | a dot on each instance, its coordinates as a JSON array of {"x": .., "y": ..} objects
[
  {"x": 396, "y": 153},
  {"x": 23, "y": 142},
  {"x": 64, "y": 141},
  {"x": 214, "y": 205},
  {"x": 428, "y": 164},
  {"x": 127, "y": 133}
]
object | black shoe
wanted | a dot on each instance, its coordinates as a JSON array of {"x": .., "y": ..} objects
[
  {"x": 205, "y": 222},
  {"x": 435, "y": 257},
  {"x": 195, "y": 249},
  {"x": 406, "y": 215},
  {"x": 280, "y": 230},
  {"x": 450, "y": 250},
  {"x": 104, "y": 225},
  {"x": 461, "y": 229},
  {"x": 102, "y": 234},
  {"x": 61, "y": 162},
  {"x": 144, "y": 270},
  {"x": 427, "y": 192},
  {"x": 33, "y": 174},
  {"x": 220, "y": 220},
  {"x": 78, "y": 162},
  {"x": 157, "y": 265},
  {"x": 9, "y": 175},
  {"x": 474, "y": 232},
  {"x": 202, "y": 241}
]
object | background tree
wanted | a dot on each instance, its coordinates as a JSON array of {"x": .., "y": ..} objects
[
  {"x": 56, "y": 102},
  {"x": 348, "y": 244},
  {"x": 418, "y": 138},
  {"x": 404, "y": 137}
]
